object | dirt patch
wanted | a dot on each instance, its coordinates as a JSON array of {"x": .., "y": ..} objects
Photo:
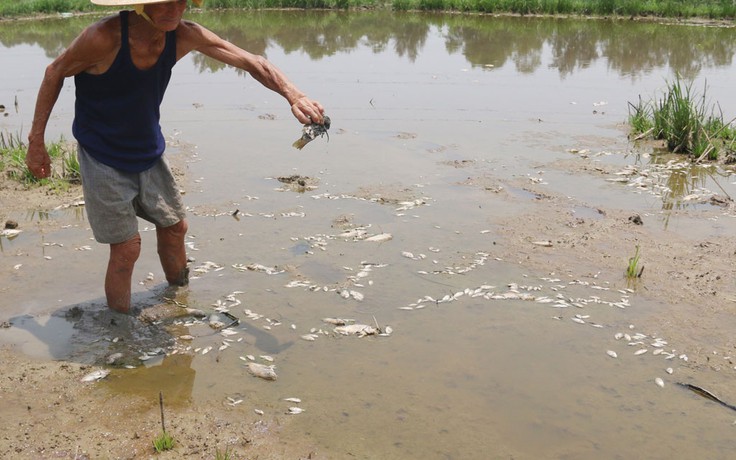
[
  {"x": 694, "y": 275},
  {"x": 49, "y": 413}
]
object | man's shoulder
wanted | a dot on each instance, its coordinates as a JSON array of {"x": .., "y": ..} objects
[{"x": 106, "y": 31}]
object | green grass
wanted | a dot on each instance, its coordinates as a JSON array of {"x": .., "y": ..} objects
[
  {"x": 685, "y": 120},
  {"x": 163, "y": 442},
  {"x": 633, "y": 270},
  {"x": 714, "y": 9},
  {"x": 226, "y": 455},
  {"x": 65, "y": 165}
]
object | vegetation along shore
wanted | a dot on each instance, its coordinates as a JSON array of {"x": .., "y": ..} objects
[{"x": 711, "y": 9}]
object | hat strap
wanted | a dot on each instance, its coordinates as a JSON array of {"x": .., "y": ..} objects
[{"x": 140, "y": 10}]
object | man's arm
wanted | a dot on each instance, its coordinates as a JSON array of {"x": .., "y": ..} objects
[
  {"x": 192, "y": 36},
  {"x": 91, "y": 48}
]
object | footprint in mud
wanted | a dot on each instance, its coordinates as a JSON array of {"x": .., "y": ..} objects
[{"x": 88, "y": 334}]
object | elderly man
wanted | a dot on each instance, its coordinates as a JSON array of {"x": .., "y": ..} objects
[{"x": 121, "y": 67}]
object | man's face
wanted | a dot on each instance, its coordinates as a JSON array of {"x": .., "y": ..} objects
[{"x": 167, "y": 15}]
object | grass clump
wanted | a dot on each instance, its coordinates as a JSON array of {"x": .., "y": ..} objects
[
  {"x": 64, "y": 162},
  {"x": 685, "y": 120},
  {"x": 226, "y": 455},
  {"x": 163, "y": 442},
  {"x": 633, "y": 270}
]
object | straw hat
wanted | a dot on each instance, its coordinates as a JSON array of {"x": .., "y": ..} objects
[{"x": 135, "y": 2}]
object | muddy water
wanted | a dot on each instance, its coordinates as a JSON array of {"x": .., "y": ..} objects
[{"x": 419, "y": 105}]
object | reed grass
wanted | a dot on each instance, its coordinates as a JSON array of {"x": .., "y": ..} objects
[
  {"x": 685, "y": 120},
  {"x": 714, "y": 9},
  {"x": 64, "y": 162}
]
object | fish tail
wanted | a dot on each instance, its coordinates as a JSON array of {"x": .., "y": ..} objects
[{"x": 300, "y": 143}]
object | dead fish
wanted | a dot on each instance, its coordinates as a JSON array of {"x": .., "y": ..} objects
[
  {"x": 95, "y": 376},
  {"x": 113, "y": 358},
  {"x": 706, "y": 394},
  {"x": 295, "y": 410},
  {"x": 195, "y": 312},
  {"x": 380, "y": 238},
  {"x": 311, "y": 131},
  {"x": 262, "y": 371},
  {"x": 361, "y": 330},
  {"x": 10, "y": 233},
  {"x": 338, "y": 321}
]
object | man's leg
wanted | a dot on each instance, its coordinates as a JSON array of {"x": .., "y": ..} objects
[
  {"x": 172, "y": 253},
  {"x": 120, "y": 273}
]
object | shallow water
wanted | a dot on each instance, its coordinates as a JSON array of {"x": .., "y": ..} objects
[{"x": 419, "y": 103}]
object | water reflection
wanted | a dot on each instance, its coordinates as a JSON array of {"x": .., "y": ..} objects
[
  {"x": 173, "y": 376},
  {"x": 630, "y": 48}
]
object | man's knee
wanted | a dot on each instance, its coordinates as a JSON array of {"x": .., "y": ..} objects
[
  {"x": 176, "y": 231},
  {"x": 127, "y": 252}
]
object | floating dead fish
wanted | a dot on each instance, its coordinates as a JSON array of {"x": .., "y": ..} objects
[
  {"x": 95, "y": 376},
  {"x": 361, "y": 330},
  {"x": 262, "y": 371},
  {"x": 311, "y": 131},
  {"x": 612, "y": 354},
  {"x": 295, "y": 410},
  {"x": 309, "y": 337},
  {"x": 659, "y": 382},
  {"x": 293, "y": 400}
]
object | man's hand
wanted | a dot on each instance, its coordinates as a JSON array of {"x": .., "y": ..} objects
[
  {"x": 308, "y": 111},
  {"x": 38, "y": 160}
]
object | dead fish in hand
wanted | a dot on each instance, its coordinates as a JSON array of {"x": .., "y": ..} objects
[{"x": 311, "y": 131}]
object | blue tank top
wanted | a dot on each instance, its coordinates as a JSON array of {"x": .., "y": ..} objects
[{"x": 117, "y": 113}]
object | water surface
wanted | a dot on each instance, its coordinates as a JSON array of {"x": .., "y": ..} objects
[{"x": 419, "y": 104}]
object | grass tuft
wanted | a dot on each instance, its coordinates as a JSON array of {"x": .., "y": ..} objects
[
  {"x": 685, "y": 120},
  {"x": 633, "y": 270},
  {"x": 163, "y": 442},
  {"x": 64, "y": 162},
  {"x": 226, "y": 455}
]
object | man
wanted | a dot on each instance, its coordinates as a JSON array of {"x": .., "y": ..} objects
[{"x": 121, "y": 67}]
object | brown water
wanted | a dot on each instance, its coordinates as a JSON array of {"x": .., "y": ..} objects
[{"x": 410, "y": 97}]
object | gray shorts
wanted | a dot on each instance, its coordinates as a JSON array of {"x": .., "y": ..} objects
[{"x": 113, "y": 198}]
